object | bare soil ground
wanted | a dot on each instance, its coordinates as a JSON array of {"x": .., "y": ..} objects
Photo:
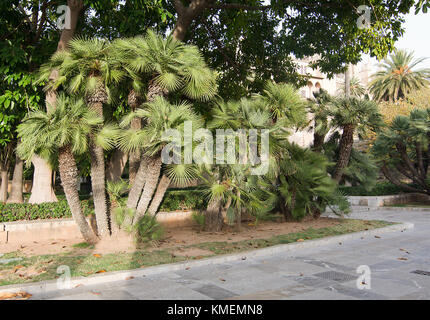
[{"x": 174, "y": 237}]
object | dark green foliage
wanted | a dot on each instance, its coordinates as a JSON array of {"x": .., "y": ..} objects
[
  {"x": 50, "y": 210},
  {"x": 361, "y": 170},
  {"x": 403, "y": 151},
  {"x": 186, "y": 199},
  {"x": 380, "y": 189},
  {"x": 148, "y": 229},
  {"x": 303, "y": 186}
]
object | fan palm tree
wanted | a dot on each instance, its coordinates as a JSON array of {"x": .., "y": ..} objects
[
  {"x": 303, "y": 186},
  {"x": 352, "y": 115},
  {"x": 399, "y": 77},
  {"x": 168, "y": 66},
  {"x": 65, "y": 129},
  {"x": 284, "y": 102},
  {"x": 160, "y": 116},
  {"x": 320, "y": 110},
  {"x": 356, "y": 88},
  {"x": 88, "y": 69}
]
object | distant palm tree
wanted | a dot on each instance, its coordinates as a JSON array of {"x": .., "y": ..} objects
[
  {"x": 65, "y": 129},
  {"x": 398, "y": 77},
  {"x": 352, "y": 115},
  {"x": 356, "y": 88}
]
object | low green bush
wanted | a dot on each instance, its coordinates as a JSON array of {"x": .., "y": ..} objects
[
  {"x": 183, "y": 199},
  {"x": 50, "y": 210},
  {"x": 380, "y": 189},
  {"x": 175, "y": 199}
]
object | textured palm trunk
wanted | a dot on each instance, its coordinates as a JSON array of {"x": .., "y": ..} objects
[
  {"x": 134, "y": 100},
  {"x": 318, "y": 142},
  {"x": 69, "y": 180},
  {"x": 154, "y": 90},
  {"x": 116, "y": 166},
  {"x": 42, "y": 190},
  {"x": 345, "y": 148},
  {"x": 16, "y": 191},
  {"x": 98, "y": 179},
  {"x": 213, "y": 217},
  {"x": 4, "y": 184},
  {"x": 162, "y": 187},
  {"x": 136, "y": 189},
  {"x": 153, "y": 174}
]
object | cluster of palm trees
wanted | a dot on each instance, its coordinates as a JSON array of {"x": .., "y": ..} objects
[
  {"x": 161, "y": 78},
  {"x": 93, "y": 72}
]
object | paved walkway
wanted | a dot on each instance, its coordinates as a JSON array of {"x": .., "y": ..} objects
[{"x": 326, "y": 272}]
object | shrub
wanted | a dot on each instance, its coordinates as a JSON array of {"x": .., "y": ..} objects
[
  {"x": 380, "y": 189},
  {"x": 185, "y": 199},
  {"x": 50, "y": 210},
  {"x": 199, "y": 218},
  {"x": 148, "y": 229}
]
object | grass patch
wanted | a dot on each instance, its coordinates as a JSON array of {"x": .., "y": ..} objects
[
  {"x": 83, "y": 245},
  {"x": 84, "y": 262}
]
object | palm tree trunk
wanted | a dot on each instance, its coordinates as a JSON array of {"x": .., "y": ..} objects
[
  {"x": 213, "y": 217},
  {"x": 134, "y": 101},
  {"x": 16, "y": 191},
  {"x": 42, "y": 190},
  {"x": 318, "y": 142},
  {"x": 162, "y": 187},
  {"x": 153, "y": 174},
  {"x": 139, "y": 183},
  {"x": 98, "y": 181},
  {"x": 69, "y": 180},
  {"x": 116, "y": 165},
  {"x": 345, "y": 149},
  {"x": 4, "y": 184}
]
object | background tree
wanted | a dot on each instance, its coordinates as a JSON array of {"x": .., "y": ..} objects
[
  {"x": 402, "y": 151},
  {"x": 399, "y": 77},
  {"x": 352, "y": 115}
]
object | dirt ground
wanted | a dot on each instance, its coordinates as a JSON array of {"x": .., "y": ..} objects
[{"x": 174, "y": 237}]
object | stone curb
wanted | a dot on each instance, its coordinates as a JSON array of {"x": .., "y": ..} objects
[{"x": 47, "y": 286}]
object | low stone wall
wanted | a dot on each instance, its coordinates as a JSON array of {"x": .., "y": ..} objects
[
  {"x": 380, "y": 201},
  {"x": 43, "y": 230}
]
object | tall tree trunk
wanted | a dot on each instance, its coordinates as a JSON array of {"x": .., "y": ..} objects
[
  {"x": 98, "y": 178},
  {"x": 162, "y": 187},
  {"x": 69, "y": 179},
  {"x": 116, "y": 165},
  {"x": 345, "y": 148},
  {"x": 4, "y": 184},
  {"x": 16, "y": 191},
  {"x": 318, "y": 142},
  {"x": 134, "y": 100},
  {"x": 213, "y": 217},
  {"x": 42, "y": 190},
  {"x": 154, "y": 168},
  {"x": 186, "y": 15}
]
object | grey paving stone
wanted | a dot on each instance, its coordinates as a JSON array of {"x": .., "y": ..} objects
[
  {"x": 356, "y": 293},
  {"x": 214, "y": 291},
  {"x": 336, "y": 276}
]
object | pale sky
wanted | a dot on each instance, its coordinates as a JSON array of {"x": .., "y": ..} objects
[{"x": 416, "y": 36}]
